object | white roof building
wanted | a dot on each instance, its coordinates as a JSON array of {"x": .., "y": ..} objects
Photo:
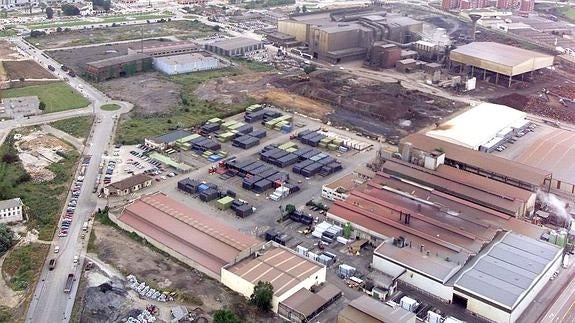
[{"x": 479, "y": 125}]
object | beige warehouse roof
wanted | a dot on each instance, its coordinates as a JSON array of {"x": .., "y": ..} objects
[
  {"x": 500, "y": 58},
  {"x": 478, "y": 125}
]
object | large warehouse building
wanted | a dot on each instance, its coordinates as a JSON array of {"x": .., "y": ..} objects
[
  {"x": 348, "y": 35},
  {"x": 439, "y": 243},
  {"x": 427, "y": 151},
  {"x": 235, "y": 47},
  {"x": 483, "y": 127},
  {"x": 489, "y": 193},
  {"x": 120, "y": 66},
  {"x": 498, "y": 60},
  {"x": 189, "y": 236}
]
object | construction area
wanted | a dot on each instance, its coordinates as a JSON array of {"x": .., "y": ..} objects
[{"x": 37, "y": 150}]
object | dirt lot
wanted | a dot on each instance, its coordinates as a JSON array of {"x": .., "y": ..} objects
[
  {"x": 27, "y": 69},
  {"x": 38, "y": 150},
  {"x": 182, "y": 29},
  {"x": 545, "y": 106},
  {"x": 149, "y": 92},
  {"x": 192, "y": 289},
  {"x": 7, "y": 51},
  {"x": 77, "y": 57}
]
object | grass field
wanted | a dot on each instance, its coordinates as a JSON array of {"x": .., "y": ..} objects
[
  {"x": 78, "y": 127},
  {"x": 110, "y": 107},
  {"x": 57, "y": 96},
  {"x": 43, "y": 200},
  {"x": 7, "y": 32},
  {"x": 23, "y": 265},
  {"x": 191, "y": 112}
]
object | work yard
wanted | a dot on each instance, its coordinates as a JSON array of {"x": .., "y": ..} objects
[{"x": 57, "y": 96}]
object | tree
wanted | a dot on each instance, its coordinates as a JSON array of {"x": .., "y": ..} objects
[
  {"x": 21, "y": 79},
  {"x": 42, "y": 106},
  {"x": 225, "y": 316},
  {"x": 304, "y": 8},
  {"x": 262, "y": 296},
  {"x": 49, "y": 13},
  {"x": 59, "y": 29},
  {"x": 297, "y": 9},
  {"x": 309, "y": 69},
  {"x": 70, "y": 10},
  {"x": 347, "y": 230},
  {"x": 10, "y": 158},
  {"x": 290, "y": 208},
  {"x": 6, "y": 238}
]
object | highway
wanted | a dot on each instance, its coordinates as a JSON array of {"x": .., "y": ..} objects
[{"x": 49, "y": 303}]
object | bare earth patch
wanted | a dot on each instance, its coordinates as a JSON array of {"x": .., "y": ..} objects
[{"x": 38, "y": 150}]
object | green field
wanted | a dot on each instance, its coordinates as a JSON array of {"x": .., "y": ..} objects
[
  {"x": 78, "y": 127},
  {"x": 23, "y": 264},
  {"x": 7, "y": 32},
  {"x": 43, "y": 201},
  {"x": 57, "y": 96},
  {"x": 110, "y": 107},
  {"x": 191, "y": 112}
]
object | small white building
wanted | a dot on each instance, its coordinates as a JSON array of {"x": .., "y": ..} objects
[
  {"x": 11, "y": 210},
  {"x": 186, "y": 63},
  {"x": 285, "y": 269}
]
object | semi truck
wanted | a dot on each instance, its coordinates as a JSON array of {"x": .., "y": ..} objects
[{"x": 69, "y": 283}]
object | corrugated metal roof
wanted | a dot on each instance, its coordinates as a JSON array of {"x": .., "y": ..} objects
[
  {"x": 281, "y": 267},
  {"x": 508, "y": 268},
  {"x": 380, "y": 311},
  {"x": 118, "y": 60},
  {"x": 204, "y": 240},
  {"x": 497, "y": 53},
  {"x": 488, "y": 162}
]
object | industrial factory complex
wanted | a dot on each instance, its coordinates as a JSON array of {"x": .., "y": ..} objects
[{"x": 398, "y": 161}]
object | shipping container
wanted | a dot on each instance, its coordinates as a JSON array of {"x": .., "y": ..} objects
[
  {"x": 297, "y": 168},
  {"x": 262, "y": 186},
  {"x": 248, "y": 182},
  {"x": 244, "y": 210},
  {"x": 258, "y": 133},
  {"x": 225, "y": 202},
  {"x": 188, "y": 185},
  {"x": 209, "y": 195},
  {"x": 311, "y": 170}
]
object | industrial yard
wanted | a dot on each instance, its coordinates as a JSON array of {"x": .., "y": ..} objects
[{"x": 394, "y": 162}]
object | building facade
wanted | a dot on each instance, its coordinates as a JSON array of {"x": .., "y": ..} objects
[
  {"x": 129, "y": 185},
  {"x": 186, "y": 63},
  {"x": 115, "y": 67},
  {"x": 235, "y": 47},
  {"x": 11, "y": 210}
]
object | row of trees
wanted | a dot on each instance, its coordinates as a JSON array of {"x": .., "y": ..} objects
[{"x": 71, "y": 10}]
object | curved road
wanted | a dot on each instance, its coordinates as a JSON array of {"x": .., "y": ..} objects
[{"x": 49, "y": 303}]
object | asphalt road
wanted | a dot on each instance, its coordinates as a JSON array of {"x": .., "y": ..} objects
[{"x": 49, "y": 303}]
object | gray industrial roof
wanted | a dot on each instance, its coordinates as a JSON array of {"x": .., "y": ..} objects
[
  {"x": 236, "y": 42},
  {"x": 507, "y": 270},
  {"x": 118, "y": 60},
  {"x": 11, "y": 203},
  {"x": 171, "y": 136}
]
